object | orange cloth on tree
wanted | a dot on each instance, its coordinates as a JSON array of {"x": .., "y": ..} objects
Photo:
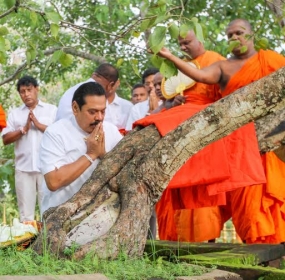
[
  {"x": 259, "y": 211},
  {"x": 2, "y": 118}
]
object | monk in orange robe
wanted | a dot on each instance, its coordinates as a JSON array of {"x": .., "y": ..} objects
[
  {"x": 257, "y": 207},
  {"x": 191, "y": 224},
  {"x": 2, "y": 118},
  {"x": 202, "y": 181},
  {"x": 263, "y": 205}
]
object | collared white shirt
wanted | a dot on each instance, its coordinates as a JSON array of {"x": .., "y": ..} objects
[
  {"x": 64, "y": 107},
  {"x": 118, "y": 112},
  {"x": 63, "y": 143},
  {"x": 27, "y": 147},
  {"x": 138, "y": 111}
]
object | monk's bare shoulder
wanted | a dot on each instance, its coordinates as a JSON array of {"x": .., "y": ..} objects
[{"x": 228, "y": 68}]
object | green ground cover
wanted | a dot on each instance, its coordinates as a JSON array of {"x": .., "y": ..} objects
[{"x": 27, "y": 262}]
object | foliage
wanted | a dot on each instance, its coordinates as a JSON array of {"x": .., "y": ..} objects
[
  {"x": 27, "y": 262},
  {"x": 53, "y": 37}
]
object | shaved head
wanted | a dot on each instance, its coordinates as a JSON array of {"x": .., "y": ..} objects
[{"x": 241, "y": 21}]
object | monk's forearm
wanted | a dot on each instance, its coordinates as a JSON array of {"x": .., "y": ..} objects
[{"x": 207, "y": 75}]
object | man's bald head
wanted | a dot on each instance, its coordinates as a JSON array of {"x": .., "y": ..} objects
[
  {"x": 242, "y": 22},
  {"x": 191, "y": 45}
]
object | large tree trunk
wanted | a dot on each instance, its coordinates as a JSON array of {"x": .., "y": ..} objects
[{"x": 141, "y": 166}]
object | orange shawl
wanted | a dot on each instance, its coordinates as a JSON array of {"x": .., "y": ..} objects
[{"x": 2, "y": 118}]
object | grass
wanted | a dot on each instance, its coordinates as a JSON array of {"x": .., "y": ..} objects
[{"x": 27, "y": 262}]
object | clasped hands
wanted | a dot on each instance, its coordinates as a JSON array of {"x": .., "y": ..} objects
[{"x": 95, "y": 142}]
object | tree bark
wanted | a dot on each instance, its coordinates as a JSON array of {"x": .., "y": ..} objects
[{"x": 140, "y": 167}]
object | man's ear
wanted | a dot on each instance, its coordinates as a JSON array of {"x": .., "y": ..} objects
[
  {"x": 75, "y": 108},
  {"x": 114, "y": 86}
]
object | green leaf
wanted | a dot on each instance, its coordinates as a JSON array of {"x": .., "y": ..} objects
[
  {"x": 160, "y": 19},
  {"x": 136, "y": 33},
  {"x": 184, "y": 29},
  {"x": 30, "y": 55},
  {"x": 157, "y": 39},
  {"x": 144, "y": 25},
  {"x": 3, "y": 57},
  {"x": 54, "y": 29},
  {"x": 53, "y": 17},
  {"x": 9, "y": 3},
  {"x": 161, "y": 3},
  {"x": 119, "y": 62},
  {"x": 53, "y": 59},
  {"x": 263, "y": 43},
  {"x": 134, "y": 64},
  {"x": 56, "y": 56},
  {"x": 99, "y": 17},
  {"x": 168, "y": 69},
  {"x": 194, "y": 19},
  {"x": 199, "y": 32},
  {"x": 66, "y": 60},
  {"x": 5, "y": 169},
  {"x": 243, "y": 49},
  {"x": 2, "y": 43},
  {"x": 173, "y": 30},
  {"x": 156, "y": 60},
  {"x": 34, "y": 17},
  {"x": 233, "y": 44},
  {"x": 7, "y": 45},
  {"x": 33, "y": 53},
  {"x": 3, "y": 31}
]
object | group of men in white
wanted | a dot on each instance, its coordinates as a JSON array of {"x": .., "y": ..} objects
[{"x": 58, "y": 148}]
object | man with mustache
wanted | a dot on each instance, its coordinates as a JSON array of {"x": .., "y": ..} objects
[
  {"x": 72, "y": 147},
  {"x": 117, "y": 108},
  {"x": 25, "y": 127}
]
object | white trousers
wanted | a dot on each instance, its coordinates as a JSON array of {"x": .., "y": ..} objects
[{"x": 28, "y": 186}]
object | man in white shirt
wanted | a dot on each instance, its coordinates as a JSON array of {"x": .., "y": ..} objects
[
  {"x": 144, "y": 108},
  {"x": 139, "y": 93},
  {"x": 25, "y": 127},
  {"x": 71, "y": 148},
  {"x": 117, "y": 110}
]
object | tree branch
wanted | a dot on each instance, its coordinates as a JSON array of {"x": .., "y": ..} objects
[{"x": 75, "y": 52}]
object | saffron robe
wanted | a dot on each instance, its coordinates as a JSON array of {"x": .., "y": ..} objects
[
  {"x": 2, "y": 118},
  {"x": 258, "y": 211}
]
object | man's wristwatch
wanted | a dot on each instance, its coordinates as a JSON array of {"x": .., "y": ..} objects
[{"x": 23, "y": 131}]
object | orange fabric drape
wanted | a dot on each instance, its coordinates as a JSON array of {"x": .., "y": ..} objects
[
  {"x": 2, "y": 118},
  {"x": 259, "y": 211}
]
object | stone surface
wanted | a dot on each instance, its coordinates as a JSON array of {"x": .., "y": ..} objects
[
  {"x": 58, "y": 277},
  {"x": 214, "y": 275}
]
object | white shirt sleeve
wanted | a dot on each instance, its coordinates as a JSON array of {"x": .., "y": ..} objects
[
  {"x": 53, "y": 153},
  {"x": 134, "y": 116}
]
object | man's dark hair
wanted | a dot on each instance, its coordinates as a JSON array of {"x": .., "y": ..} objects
[
  {"x": 148, "y": 72},
  {"x": 26, "y": 81},
  {"x": 108, "y": 71},
  {"x": 87, "y": 89},
  {"x": 138, "y": 85}
]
